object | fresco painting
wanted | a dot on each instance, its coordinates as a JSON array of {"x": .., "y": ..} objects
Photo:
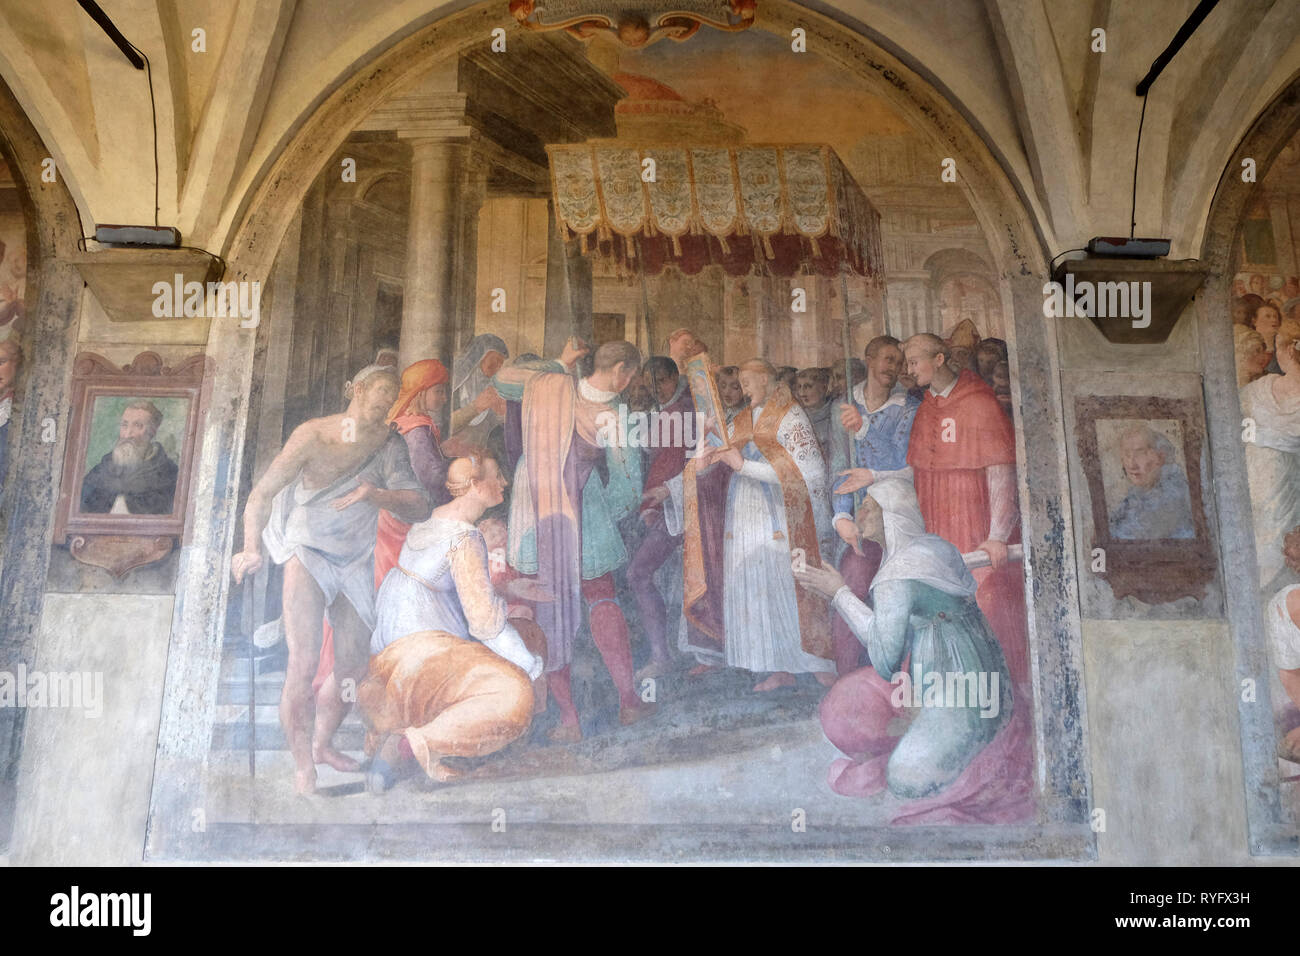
[
  {"x": 1265, "y": 308},
  {"x": 698, "y": 549}
]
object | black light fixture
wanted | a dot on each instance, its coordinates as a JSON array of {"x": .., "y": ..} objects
[
  {"x": 1136, "y": 264},
  {"x": 1135, "y": 248},
  {"x": 97, "y": 14},
  {"x": 133, "y": 236}
]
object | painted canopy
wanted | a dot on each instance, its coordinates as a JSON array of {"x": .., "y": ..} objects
[{"x": 777, "y": 210}]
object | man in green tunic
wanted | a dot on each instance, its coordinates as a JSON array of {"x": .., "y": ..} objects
[{"x": 572, "y": 487}]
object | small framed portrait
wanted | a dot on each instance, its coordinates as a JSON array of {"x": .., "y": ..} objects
[
  {"x": 708, "y": 404},
  {"x": 131, "y": 447},
  {"x": 1141, "y": 457}
]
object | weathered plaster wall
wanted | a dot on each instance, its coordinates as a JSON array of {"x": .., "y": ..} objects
[
  {"x": 1164, "y": 740},
  {"x": 85, "y": 800},
  {"x": 1166, "y": 758},
  {"x": 32, "y": 481}
]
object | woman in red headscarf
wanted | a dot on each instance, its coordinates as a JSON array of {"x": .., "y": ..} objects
[{"x": 424, "y": 394}]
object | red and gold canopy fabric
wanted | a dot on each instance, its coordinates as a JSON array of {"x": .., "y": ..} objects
[{"x": 777, "y": 210}]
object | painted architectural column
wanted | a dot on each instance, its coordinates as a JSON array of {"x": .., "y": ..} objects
[
  {"x": 448, "y": 186},
  {"x": 910, "y": 309},
  {"x": 770, "y": 298},
  {"x": 807, "y": 329},
  {"x": 569, "y": 290}
]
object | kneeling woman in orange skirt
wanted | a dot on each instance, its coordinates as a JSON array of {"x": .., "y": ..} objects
[{"x": 450, "y": 675}]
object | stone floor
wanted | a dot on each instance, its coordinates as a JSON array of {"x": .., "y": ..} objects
[{"x": 714, "y": 753}]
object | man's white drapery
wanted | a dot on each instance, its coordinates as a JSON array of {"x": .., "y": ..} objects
[{"x": 1272, "y": 471}]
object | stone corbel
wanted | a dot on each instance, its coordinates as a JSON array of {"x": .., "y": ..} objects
[
  {"x": 1171, "y": 284},
  {"x": 123, "y": 280}
]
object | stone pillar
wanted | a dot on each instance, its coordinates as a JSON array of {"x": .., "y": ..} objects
[
  {"x": 771, "y": 299},
  {"x": 1284, "y": 244},
  {"x": 568, "y": 290},
  {"x": 473, "y": 196},
  {"x": 910, "y": 310},
  {"x": 447, "y": 191},
  {"x": 503, "y": 258},
  {"x": 807, "y": 329}
]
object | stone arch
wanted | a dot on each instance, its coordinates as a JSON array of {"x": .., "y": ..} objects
[
  {"x": 1002, "y": 211},
  {"x": 379, "y": 189},
  {"x": 31, "y": 487},
  {"x": 1017, "y": 247},
  {"x": 1272, "y": 130},
  {"x": 269, "y": 203},
  {"x": 950, "y": 261},
  {"x": 1270, "y": 829},
  {"x": 961, "y": 286}
]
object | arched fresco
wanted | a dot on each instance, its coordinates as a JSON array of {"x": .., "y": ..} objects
[
  {"x": 1264, "y": 305},
  {"x": 445, "y": 309}
]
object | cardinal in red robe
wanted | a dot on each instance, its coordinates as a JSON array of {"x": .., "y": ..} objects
[{"x": 963, "y": 456}]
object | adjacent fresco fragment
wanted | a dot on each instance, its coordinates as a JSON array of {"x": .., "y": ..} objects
[{"x": 1265, "y": 308}]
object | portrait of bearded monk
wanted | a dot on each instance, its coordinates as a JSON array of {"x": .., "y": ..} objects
[{"x": 137, "y": 477}]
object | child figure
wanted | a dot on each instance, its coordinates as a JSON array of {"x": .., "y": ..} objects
[
  {"x": 495, "y": 535},
  {"x": 519, "y": 591}
]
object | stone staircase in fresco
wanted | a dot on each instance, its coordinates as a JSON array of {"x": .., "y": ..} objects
[{"x": 231, "y": 729}]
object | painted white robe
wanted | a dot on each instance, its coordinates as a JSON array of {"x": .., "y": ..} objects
[
  {"x": 1272, "y": 471},
  {"x": 759, "y": 610}
]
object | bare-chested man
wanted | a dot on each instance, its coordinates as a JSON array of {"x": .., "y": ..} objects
[{"x": 316, "y": 510}]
